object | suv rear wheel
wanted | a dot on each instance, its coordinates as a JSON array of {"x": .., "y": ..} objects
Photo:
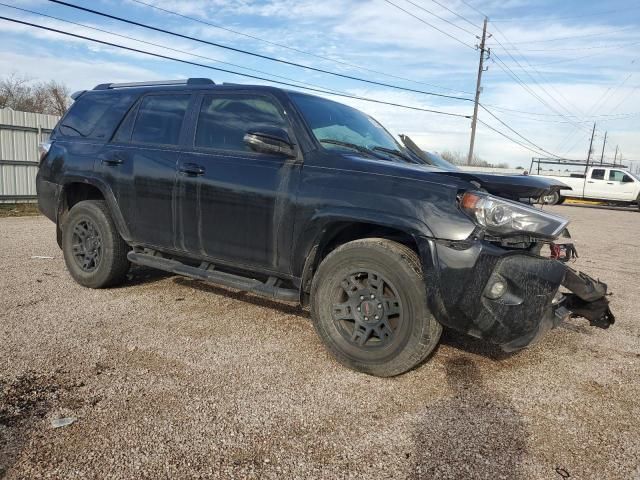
[
  {"x": 94, "y": 252},
  {"x": 369, "y": 307}
]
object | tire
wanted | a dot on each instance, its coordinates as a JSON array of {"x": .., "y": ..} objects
[
  {"x": 94, "y": 252},
  {"x": 366, "y": 274},
  {"x": 552, "y": 199}
]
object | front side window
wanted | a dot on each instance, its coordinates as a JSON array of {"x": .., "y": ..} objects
[
  {"x": 159, "y": 119},
  {"x": 617, "y": 176},
  {"x": 331, "y": 121},
  {"x": 224, "y": 120},
  {"x": 597, "y": 174}
]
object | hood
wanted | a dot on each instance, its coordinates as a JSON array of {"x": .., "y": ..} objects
[{"x": 511, "y": 186}]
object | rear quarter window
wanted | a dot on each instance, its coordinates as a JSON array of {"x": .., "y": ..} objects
[
  {"x": 597, "y": 174},
  {"x": 95, "y": 115}
]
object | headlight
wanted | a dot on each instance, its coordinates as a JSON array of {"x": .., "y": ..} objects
[{"x": 504, "y": 217}]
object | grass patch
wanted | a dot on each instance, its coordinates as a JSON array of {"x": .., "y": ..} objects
[{"x": 18, "y": 209}]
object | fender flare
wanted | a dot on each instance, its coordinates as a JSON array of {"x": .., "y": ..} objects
[
  {"x": 107, "y": 194},
  {"x": 313, "y": 236}
]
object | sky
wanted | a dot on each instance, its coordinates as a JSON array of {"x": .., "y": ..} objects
[{"x": 553, "y": 69}]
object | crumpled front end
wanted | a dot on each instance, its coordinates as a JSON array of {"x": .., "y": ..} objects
[{"x": 509, "y": 297}]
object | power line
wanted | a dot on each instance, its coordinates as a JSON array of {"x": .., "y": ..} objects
[
  {"x": 513, "y": 75},
  {"x": 517, "y": 133},
  {"x": 293, "y": 49},
  {"x": 576, "y": 49},
  {"x": 571, "y": 37},
  {"x": 597, "y": 105},
  {"x": 462, "y": 17},
  {"x": 161, "y": 46},
  {"x": 510, "y": 138},
  {"x": 505, "y": 109},
  {"x": 547, "y": 19},
  {"x": 552, "y": 97},
  {"x": 420, "y": 19},
  {"x": 258, "y": 55},
  {"x": 474, "y": 8},
  {"x": 441, "y": 18},
  {"x": 188, "y": 62}
]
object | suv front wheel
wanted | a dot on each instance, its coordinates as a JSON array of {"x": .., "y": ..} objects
[
  {"x": 369, "y": 307},
  {"x": 94, "y": 252}
]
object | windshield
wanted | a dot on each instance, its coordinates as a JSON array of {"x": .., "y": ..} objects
[
  {"x": 634, "y": 175},
  {"x": 437, "y": 161},
  {"x": 341, "y": 124}
]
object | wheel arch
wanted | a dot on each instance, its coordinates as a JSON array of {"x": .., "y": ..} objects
[
  {"x": 328, "y": 231},
  {"x": 77, "y": 189}
]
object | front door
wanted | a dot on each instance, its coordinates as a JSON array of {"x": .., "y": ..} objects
[
  {"x": 621, "y": 186},
  {"x": 235, "y": 205}
]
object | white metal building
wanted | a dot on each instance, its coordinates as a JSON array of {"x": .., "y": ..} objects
[{"x": 20, "y": 135}]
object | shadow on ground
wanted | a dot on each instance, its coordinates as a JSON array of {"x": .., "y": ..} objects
[
  {"x": 469, "y": 344},
  {"x": 286, "y": 308},
  {"x": 473, "y": 433}
]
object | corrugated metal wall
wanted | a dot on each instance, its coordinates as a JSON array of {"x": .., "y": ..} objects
[{"x": 20, "y": 135}]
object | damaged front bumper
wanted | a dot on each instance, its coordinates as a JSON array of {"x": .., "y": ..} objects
[{"x": 508, "y": 297}]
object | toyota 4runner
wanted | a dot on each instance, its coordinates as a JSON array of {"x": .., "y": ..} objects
[{"x": 303, "y": 199}]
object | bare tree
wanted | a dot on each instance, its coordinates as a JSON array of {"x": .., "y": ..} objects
[{"x": 20, "y": 93}]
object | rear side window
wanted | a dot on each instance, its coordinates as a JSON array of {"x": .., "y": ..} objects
[
  {"x": 159, "y": 119},
  {"x": 224, "y": 120},
  {"x": 95, "y": 115},
  {"x": 597, "y": 174}
]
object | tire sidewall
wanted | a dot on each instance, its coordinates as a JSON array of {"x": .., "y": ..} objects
[
  {"x": 88, "y": 211},
  {"x": 417, "y": 325}
]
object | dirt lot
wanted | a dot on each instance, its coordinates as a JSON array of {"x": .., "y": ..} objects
[{"x": 169, "y": 377}]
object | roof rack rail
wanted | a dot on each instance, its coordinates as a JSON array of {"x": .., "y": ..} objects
[{"x": 188, "y": 81}]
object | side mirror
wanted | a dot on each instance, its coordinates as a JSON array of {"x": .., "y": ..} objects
[
  {"x": 270, "y": 140},
  {"x": 627, "y": 179}
]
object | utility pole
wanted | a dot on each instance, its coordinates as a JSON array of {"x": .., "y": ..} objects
[
  {"x": 474, "y": 121},
  {"x": 604, "y": 143},
  {"x": 615, "y": 157},
  {"x": 591, "y": 143}
]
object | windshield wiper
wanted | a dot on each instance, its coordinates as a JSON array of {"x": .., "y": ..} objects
[
  {"x": 397, "y": 153},
  {"x": 354, "y": 146},
  {"x": 72, "y": 128}
]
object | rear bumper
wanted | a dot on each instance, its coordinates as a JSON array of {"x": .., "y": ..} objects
[
  {"x": 48, "y": 196},
  {"x": 459, "y": 277}
]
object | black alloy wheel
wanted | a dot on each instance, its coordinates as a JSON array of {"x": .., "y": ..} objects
[
  {"x": 367, "y": 309},
  {"x": 86, "y": 245}
]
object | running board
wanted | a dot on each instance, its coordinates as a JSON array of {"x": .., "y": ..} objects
[{"x": 207, "y": 273}]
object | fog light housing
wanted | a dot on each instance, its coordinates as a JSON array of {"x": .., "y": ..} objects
[{"x": 496, "y": 290}]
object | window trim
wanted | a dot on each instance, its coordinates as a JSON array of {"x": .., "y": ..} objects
[
  {"x": 183, "y": 126},
  {"x": 197, "y": 106}
]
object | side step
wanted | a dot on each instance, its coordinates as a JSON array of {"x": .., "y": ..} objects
[{"x": 206, "y": 272}]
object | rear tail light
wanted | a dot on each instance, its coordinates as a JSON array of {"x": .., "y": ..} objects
[{"x": 44, "y": 149}]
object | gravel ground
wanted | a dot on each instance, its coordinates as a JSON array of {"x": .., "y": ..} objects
[{"x": 168, "y": 377}]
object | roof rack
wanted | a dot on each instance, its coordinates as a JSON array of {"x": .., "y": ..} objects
[
  {"x": 188, "y": 81},
  {"x": 576, "y": 163}
]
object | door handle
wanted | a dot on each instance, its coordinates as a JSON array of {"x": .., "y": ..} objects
[
  {"x": 590, "y": 181},
  {"x": 609, "y": 183},
  {"x": 114, "y": 160},
  {"x": 192, "y": 169}
]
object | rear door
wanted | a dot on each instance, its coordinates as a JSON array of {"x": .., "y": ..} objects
[
  {"x": 596, "y": 184},
  {"x": 142, "y": 163},
  {"x": 235, "y": 205}
]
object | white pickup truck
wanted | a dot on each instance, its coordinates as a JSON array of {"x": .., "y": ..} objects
[{"x": 613, "y": 185}]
